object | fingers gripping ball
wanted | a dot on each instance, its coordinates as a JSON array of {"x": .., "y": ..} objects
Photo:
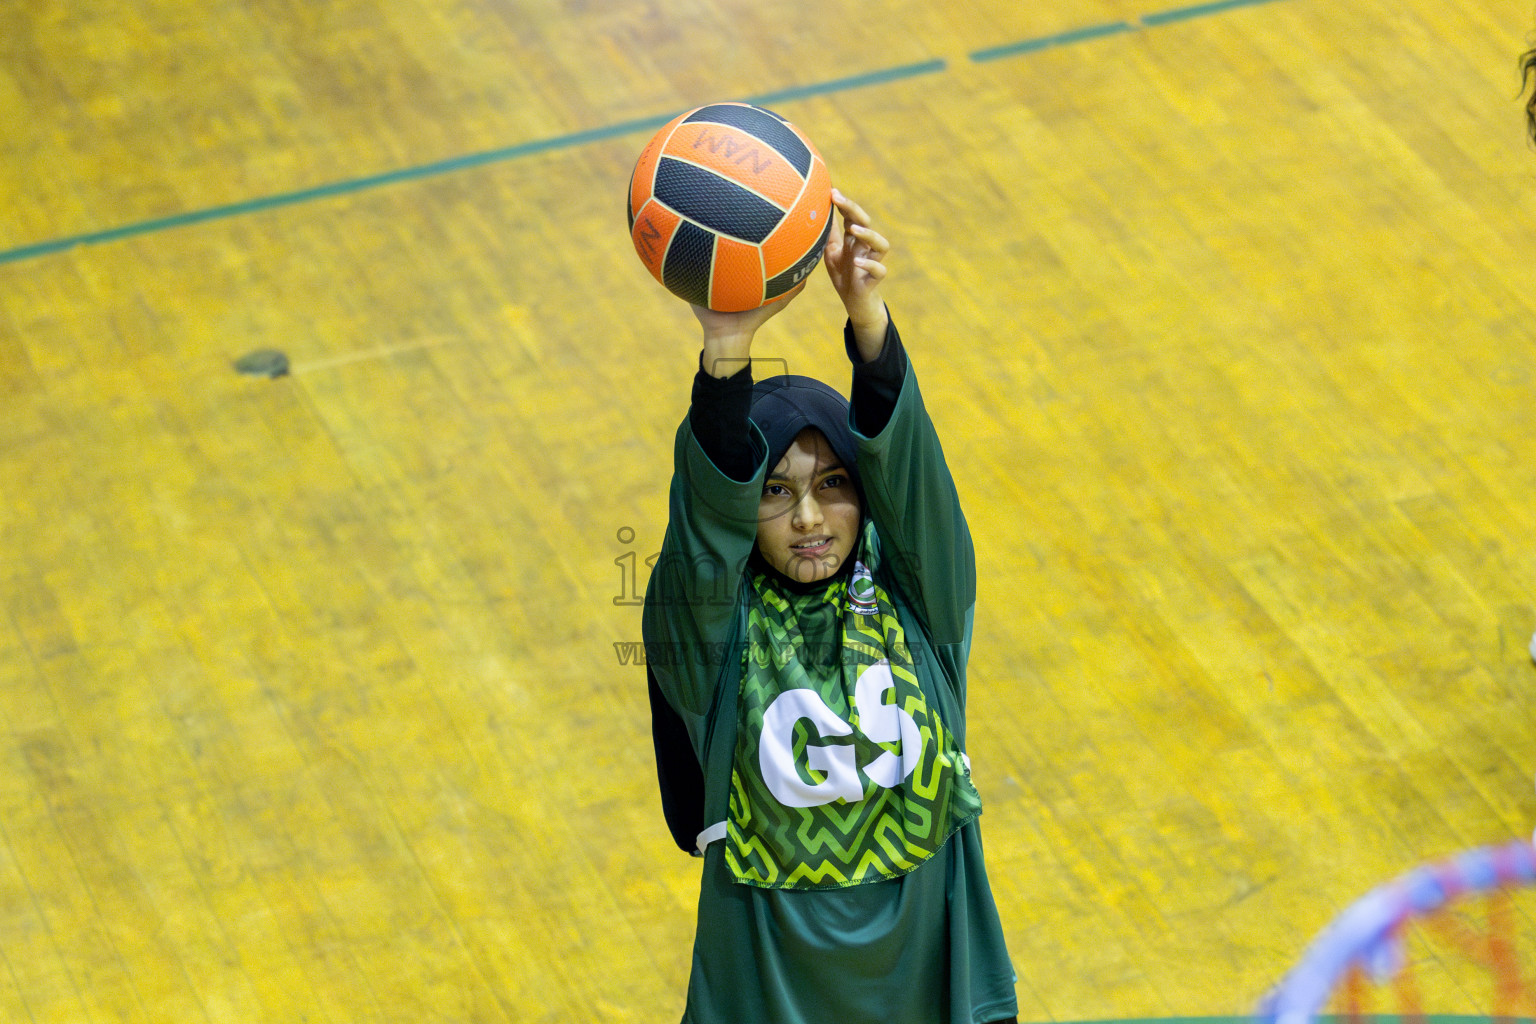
[{"x": 729, "y": 206}]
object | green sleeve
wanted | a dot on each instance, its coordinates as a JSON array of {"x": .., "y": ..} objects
[
  {"x": 924, "y": 539},
  {"x": 691, "y": 602}
]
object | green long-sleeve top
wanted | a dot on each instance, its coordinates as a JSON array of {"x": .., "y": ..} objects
[{"x": 920, "y": 948}]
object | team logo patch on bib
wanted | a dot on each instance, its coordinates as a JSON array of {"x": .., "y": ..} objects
[{"x": 862, "y": 598}]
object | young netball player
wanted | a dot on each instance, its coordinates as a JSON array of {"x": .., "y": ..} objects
[{"x": 807, "y": 628}]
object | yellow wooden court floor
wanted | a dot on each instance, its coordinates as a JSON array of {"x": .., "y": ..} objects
[{"x": 318, "y": 693}]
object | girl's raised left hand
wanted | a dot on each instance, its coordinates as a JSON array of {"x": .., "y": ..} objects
[{"x": 855, "y": 256}]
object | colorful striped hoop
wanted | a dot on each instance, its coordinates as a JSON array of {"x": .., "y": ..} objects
[{"x": 1366, "y": 940}]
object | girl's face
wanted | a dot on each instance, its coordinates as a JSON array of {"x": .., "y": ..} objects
[{"x": 808, "y": 518}]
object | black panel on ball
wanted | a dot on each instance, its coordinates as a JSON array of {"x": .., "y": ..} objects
[
  {"x": 690, "y": 258},
  {"x": 711, "y": 200},
  {"x": 763, "y": 124}
]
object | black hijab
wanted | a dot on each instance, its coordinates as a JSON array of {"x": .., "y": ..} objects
[{"x": 785, "y": 405}]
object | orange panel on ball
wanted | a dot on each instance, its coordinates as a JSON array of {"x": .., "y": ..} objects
[
  {"x": 802, "y": 226},
  {"x": 640, "y": 182},
  {"x": 653, "y": 231},
  {"x": 737, "y": 282}
]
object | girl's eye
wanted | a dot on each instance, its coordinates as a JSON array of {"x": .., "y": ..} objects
[
  {"x": 834, "y": 481},
  {"x": 774, "y": 491}
]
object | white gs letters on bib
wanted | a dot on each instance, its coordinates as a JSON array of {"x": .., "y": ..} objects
[{"x": 878, "y": 721}]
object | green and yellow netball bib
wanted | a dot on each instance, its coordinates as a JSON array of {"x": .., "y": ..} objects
[{"x": 844, "y": 773}]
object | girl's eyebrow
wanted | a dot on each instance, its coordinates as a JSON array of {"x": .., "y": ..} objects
[{"x": 836, "y": 467}]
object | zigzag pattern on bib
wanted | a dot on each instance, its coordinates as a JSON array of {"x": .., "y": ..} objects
[{"x": 843, "y": 773}]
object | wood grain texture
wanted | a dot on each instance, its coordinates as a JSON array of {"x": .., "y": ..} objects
[{"x": 314, "y": 702}]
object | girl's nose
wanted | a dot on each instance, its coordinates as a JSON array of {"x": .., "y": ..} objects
[{"x": 807, "y": 513}]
